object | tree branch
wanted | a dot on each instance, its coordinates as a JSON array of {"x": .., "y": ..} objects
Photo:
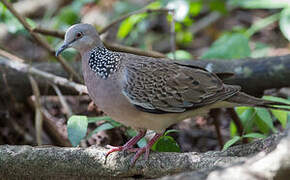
[
  {"x": 90, "y": 162},
  {"x": 41, "y": 41}
]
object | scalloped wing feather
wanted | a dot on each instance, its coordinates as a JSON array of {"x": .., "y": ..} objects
[{"x": 161, "y": 86}]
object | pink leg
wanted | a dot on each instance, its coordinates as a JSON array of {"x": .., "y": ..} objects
[
  {"x": 145, "y": 149},
  {"x": 129, "y": 144}
]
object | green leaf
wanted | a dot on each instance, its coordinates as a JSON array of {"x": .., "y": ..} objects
[
  {"x": 77, "y": 129},
  {"x": 229, "y": 46},
  {"x": 171, "y": 131},
  {"x": 103, "y": 127},
  {"x": 166, "y": 144},
  {"x": 247, "y": 119},
  {"x": 142, "y": 142},
  {"x": 260, "y": 50},
  {"x": 97, "y": 119},
  {"x": 184, "y": 37},
  {"x": 231, "y": 142},
  {"x": 128, "y": 24},
  {"x": 104, "y": 118},
  {"x": 265, "y": 117},
  {"x": 180, "y": 54},
  {"x": 254, "y": 135},
  {"x": 261, "y": 24},
  {"x": 218, "y": 5},
  {"x": 195, "y": 8},
  {"x": 241, "y": 109},
  {"x": 285, "y": 22},
  {"x": 233, "y": 129},
  {"x": 261, "y": 4},
  {"x": 261, "y": 125},
  {"x": 282, "y": 116},
  {"x": 277, "y": 99}
]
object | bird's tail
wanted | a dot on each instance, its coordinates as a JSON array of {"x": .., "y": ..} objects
[{"x": 243, "y": 99}]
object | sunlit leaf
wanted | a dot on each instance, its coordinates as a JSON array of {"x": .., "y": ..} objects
[
  {"x": 282, "y": 116},
  {"x": 128, "y": 24},
  {"x": 233, "y": 129},
  {"x": 184, "y": 37},
  {"x": 231, "y": 142},
  {"x": 77, "y": 129},
  {"x": 180, "y": 54},
  {"x": 285, "y": 22},
  {"x": 254, "y": 135},
  {"x": 195, "y": 8}
]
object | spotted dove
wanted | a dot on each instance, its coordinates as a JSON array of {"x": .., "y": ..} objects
[{"x": 148, "y": 93}]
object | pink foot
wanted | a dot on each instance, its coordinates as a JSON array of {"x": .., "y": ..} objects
[
  {"x": 129, "y": 144},
  {"x": 146, "y": 149}
]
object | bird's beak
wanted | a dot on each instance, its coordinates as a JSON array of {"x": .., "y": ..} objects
[{"x": 62, "y": 48}]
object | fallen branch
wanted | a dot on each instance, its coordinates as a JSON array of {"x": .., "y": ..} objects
[
  {"x": 254, "y": 75},
  {"x": 45, "y": 76},
  {"x": 27, "y": 161}
]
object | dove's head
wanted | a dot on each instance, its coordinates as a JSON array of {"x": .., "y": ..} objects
[{"x": 81, "y": 37}]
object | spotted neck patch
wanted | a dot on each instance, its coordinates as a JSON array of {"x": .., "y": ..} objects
[{"x": 104, "y": 62}]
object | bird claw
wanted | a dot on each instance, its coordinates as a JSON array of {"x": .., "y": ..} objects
[
  {"x": 139, "y": 152},
  {"x": 114, "y": 149}
]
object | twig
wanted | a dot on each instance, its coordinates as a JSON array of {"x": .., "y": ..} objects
[
  {"x": 13, "y": 101},
  {"x": 54, "y": 33},
  {"x": 207, "y": 20},
  {"x": 140, "y": 11},
  {"x": 38, "y": 114},
  {"x": 214, "y": 113},
  {"x": 109, "y": 45},
  {"x": 10, "y": 56},
  {"x": 237, "y": 122},
  {"x": 63, "y": 102},
  {"x": 41, "y": 41},
  {"x": 121, "y": 48},
  {"x": 22, "y": 67}
]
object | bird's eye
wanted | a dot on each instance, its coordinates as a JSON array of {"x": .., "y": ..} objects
[{"x": 79, "y": 35}]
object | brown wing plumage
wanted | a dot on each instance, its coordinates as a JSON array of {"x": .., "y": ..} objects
[{"x": 162, "y": 86}]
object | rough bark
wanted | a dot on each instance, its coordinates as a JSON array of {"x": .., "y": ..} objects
[
  {"x": 254, "y": 75},
  {"x": 36, "y": 162},
  {"x": 267, "y": 166}
]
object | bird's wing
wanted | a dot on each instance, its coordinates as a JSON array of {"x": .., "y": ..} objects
[{"x": 161, "y": 86}]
